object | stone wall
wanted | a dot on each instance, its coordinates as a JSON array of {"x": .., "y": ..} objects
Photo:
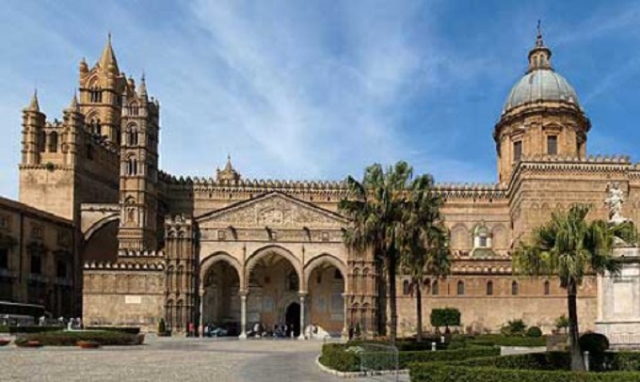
[{"x": 124, "y": 297}]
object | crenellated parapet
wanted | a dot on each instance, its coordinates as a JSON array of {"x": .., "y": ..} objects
[
  {"x": 125, "y": 253},
  {"x": 119, "y": 266},
  {"x": 471, "y": 191}
]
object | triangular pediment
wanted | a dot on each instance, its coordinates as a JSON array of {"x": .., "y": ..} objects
[{"x": 273, "y": 209}]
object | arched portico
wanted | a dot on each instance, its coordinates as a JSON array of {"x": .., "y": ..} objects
[
  {"x": 220, "y": 277},
  {"x": 325, "y": 277},
  {"x": 272, "y": 281}
]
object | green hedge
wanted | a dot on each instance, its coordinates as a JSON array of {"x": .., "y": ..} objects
[
  {"x": 406, "y": 344},
  {"x": 501, "y": 340},
  {"x": 71, "y": 338},
  {"x": 443, "y": 372},
  {"x": 336, "y": 356},
  {"x": 123, "y": 329}
]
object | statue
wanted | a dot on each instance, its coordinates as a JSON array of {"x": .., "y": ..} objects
[{"x": 614, "y": 201}]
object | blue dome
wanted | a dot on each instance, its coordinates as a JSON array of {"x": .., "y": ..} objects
[{"x": 541, "y": 85}]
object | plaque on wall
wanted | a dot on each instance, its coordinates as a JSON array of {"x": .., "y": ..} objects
[{"x": 133, "y": 299}]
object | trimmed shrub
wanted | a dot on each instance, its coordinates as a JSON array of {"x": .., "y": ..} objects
[
  {"x": 336, "y": 357},
  {"x": 513, "y": 328},
  {"x": 406, "y": 358},
  {"x": 61, "y": 338},
  {"x": 445, "y": 317},
  {"x": 122, "y": 329},
  {"x": 534, "y": 331},
  {"x": 443, "y": 372},
  {"x": 594, "y": 343},
  {"x": 502, "y": 340}
]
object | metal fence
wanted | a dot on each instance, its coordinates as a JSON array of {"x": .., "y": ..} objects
[{"x": 379, "y": 362}]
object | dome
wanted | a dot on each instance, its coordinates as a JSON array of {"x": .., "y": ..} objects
[{"x": 541, "y": 85}]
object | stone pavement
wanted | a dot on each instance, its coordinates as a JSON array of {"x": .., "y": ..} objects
[{"x": 170, "y": 359}]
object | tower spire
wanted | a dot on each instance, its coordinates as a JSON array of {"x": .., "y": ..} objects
[
  {"x": 74, "y": 103},
  {"x": 34, "y": 105},
  {"x": 142, "y": 88},
  {"x": 108, "y": 58}
]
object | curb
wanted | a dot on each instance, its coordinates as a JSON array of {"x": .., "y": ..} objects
[{"x": 356, "y": 374}]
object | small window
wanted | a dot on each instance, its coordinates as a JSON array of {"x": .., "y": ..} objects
[
  {"x": 460, "y": 288},
  {"x": 53, "y": 142},
  {"x": 293, "y": 282},
  {"x": 36, "y": 232},
  {"x": 36, "y": 264},
  {"x": 4, "y": 222},
  {"x": 337, "y": 275},
  {"x": 517, "y": 151},
  {"x": 61, "y": 269},
  {"x": 490, "y": 288},
  {"x": 483, "y": 241},
  {"x": 547, "y": 288},
  {"x": 514, "y": 288},
  {"x": 221, "y": 235},
  {"x": 4, "y": 258},
  {"x": 552, "y": 145},
  {"x": 434, "y": 288},
  {"x": 578, "y": 148},
  {"x": 406, "y": 288}
]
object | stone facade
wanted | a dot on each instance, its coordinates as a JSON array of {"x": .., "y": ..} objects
[
  {"x": 234, "y": 251},
  {"x": 39, "y": 263}
]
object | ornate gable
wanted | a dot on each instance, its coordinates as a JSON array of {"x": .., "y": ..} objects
[{"x": 274, "y": 209}]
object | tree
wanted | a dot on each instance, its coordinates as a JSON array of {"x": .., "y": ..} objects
[
  {"x": 423, "y": 240},
  {"x": 375, "y": 208},
  {"x": 445, "y": 317},
  {"x": 569, "y": 247}
]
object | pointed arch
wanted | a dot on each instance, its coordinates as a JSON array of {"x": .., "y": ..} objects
[
  {"x": 53, "y": 142},
  {"x": 277, "y": 250},
  {"x": 324, "y": 258}
]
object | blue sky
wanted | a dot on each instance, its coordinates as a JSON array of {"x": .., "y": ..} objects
[{"x": 320, "y": 89}]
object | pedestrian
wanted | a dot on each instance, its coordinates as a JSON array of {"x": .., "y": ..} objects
[{"x": 191, "y": 332}]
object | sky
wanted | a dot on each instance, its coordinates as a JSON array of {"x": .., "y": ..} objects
[{"x": 320, "y": 89}]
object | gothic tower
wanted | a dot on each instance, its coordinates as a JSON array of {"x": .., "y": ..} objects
[
  {"x": 101, "y": 89},
  {"x": 139, "y": 170},
  {"x": 542, "y": 117}
]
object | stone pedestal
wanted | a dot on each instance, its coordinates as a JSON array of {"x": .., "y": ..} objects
[{"x": 619, "y": 301}]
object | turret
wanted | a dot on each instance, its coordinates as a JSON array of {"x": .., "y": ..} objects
[
  {"x": 74, "y": 122},
  {"x": 33, "y": 135}
]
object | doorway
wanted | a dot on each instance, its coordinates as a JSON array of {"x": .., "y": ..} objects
[{"x": 292, "y": 317}]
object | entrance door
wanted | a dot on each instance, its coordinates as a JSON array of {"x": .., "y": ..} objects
[{"x": 293, "y": 319}]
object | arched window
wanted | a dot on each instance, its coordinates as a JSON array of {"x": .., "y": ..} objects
[
  {"x": 434, "y": 288},
  {"x": 406, "y": 288},
  {"x": 514, "y": 288},
  {"x": 42, "y": 138},
  {"x": 179, "y": 322},
  {"x": 53, "y": 142},
  {"x": 547, "y": 288},
  {"x": 95, "y": 94},
  {"x": 133, "y": 138},
  {"x": 292, "y": 282},
  {"x": 356, "y": 276},
  {"x": 132, "y": 166},
  {"x": 427, "y": 286},
  {"x": 179, "y": 278},
  {"x": 170, "y": 313},
  {"x": 460, "y": 288},
  {"x": 489, "y": 288}
]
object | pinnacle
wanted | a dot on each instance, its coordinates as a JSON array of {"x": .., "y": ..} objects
[
  {"x": 74, "y": 103},
  {"x": 108, "y": 58},
  {"x": 142, "y": 88},
  {"x": 33, "y": 105}
]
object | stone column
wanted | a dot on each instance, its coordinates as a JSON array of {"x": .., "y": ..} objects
[
  {"x": 243, "y": 315},
  {"x": 302, "y": 309},
  {"x": 201, "y": 312},
  {"x": 345, "y": 319}
]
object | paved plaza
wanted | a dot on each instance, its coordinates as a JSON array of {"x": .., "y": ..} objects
[{"x": 169, "y": 359}]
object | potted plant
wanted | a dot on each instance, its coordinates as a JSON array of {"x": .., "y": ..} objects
[{"x": 88, "y": 344}]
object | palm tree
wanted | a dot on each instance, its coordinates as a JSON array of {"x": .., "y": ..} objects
[
  {"x": 375, "y": 207},
  {"x": 423, "y": 243},
  {"x": 569, "y": 247}
]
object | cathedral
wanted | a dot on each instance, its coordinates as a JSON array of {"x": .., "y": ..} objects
[{"x": 233, "y": 252}]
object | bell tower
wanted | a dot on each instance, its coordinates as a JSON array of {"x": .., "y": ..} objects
[
  {"x": 101, "y": 89},
  {"x": 139, "y": 171}
]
